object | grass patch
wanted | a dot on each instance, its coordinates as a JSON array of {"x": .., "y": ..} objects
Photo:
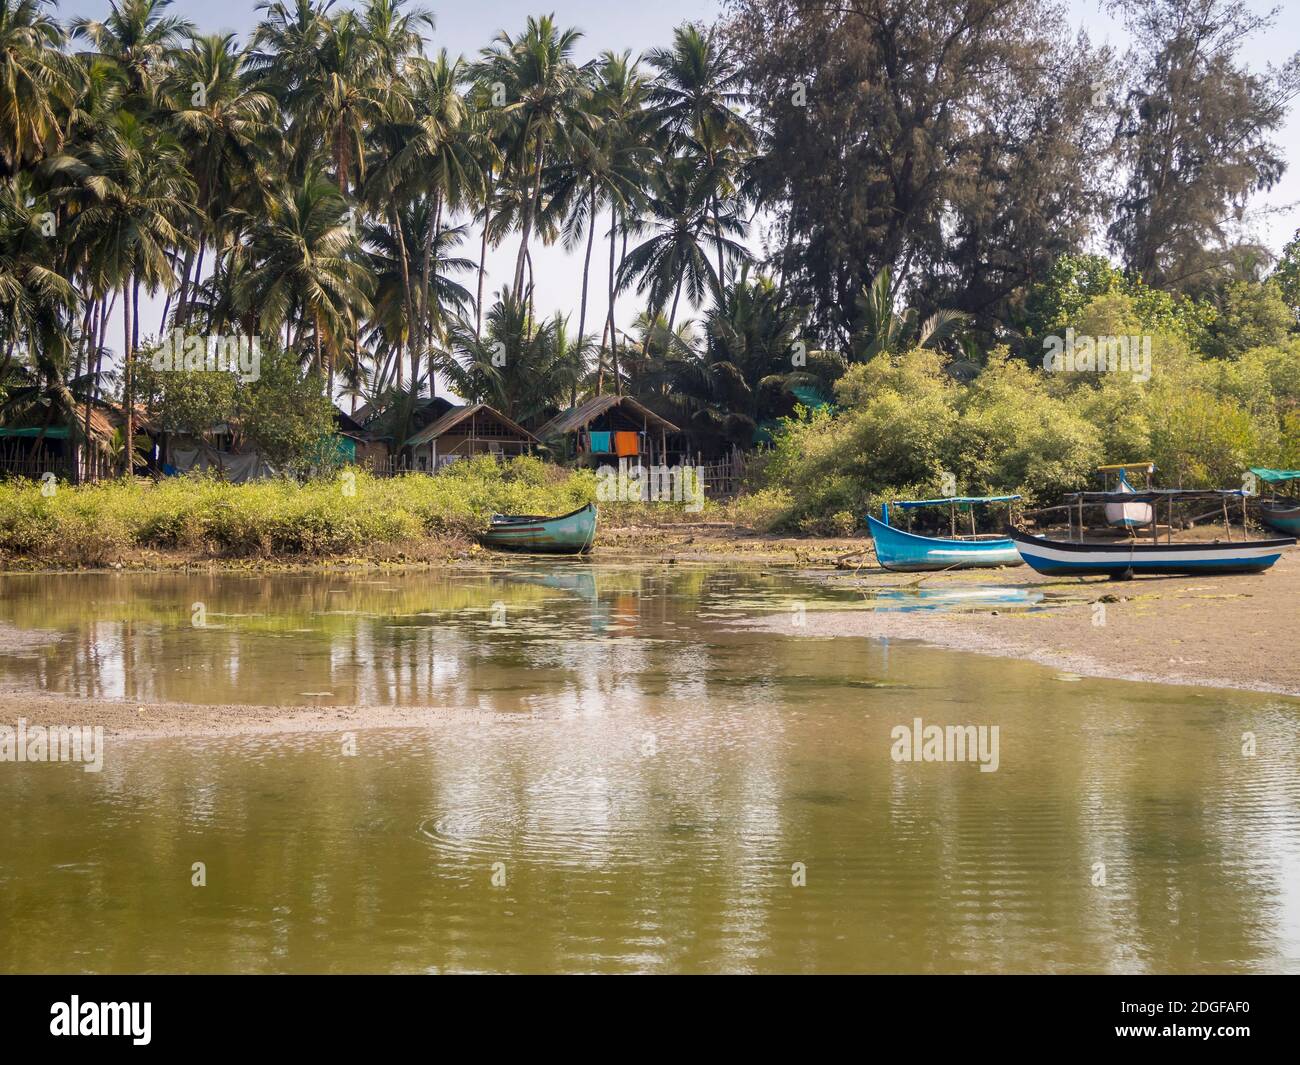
[{"x": 349, "y": 514}]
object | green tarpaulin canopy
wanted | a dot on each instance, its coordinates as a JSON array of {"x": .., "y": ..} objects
[
  {"x": 1274, "y": 476},
  {"x": 54, "y": 432}
]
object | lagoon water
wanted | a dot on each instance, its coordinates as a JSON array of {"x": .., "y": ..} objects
[{"x": 631, "y": 783}]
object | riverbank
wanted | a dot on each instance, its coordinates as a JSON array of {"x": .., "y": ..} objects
[{"x": 1221, "y": 632}]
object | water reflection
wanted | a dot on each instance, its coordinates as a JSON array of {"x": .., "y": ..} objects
[{"x": 649, "y": 808}]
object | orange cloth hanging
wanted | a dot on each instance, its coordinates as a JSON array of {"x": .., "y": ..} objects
[{"x": 627, "y": 445}]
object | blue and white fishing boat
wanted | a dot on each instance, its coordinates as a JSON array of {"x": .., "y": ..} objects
[
  {"x": 898, "y": 549},
  {"x": 1130, "y": 558},
  {"x": 1121, "y": 559},
  {"x": 1279, "y": 513}
]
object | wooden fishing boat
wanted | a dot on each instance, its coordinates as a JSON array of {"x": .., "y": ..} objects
[
  {"x": 899, "y": 549},
  {"x": 1129, "y": 515},
  {"x": 1282, "y": 515},
  {"x": 567, "y": 534},
  {"x": 1279, "y": 513},
  {"x": 1129, "y": 558}
]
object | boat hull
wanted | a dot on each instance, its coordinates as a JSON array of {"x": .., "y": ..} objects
[
  {"x": 567, "y": 534},
  {"x": 897, "y": 549},
  {"x": 1056, "y": 558},
  {"x": 1283, "y": 519},
  {"x": 1128, "y": 515}
]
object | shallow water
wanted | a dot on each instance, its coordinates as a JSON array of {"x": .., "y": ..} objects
[{"x": 637, "y": 786}]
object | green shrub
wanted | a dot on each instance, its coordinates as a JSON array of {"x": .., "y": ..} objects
[{"x": 342, "y": 514}]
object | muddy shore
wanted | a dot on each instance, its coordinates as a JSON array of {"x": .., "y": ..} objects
[{"x": 1223, "y": 632}]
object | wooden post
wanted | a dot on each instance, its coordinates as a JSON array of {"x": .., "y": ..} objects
[{"x": 1227, "y": 528}]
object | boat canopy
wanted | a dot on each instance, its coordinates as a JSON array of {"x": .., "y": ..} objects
[
  {"x": 1275, "y": 476},
  {"x": 908, "y": 504},
  {"x": 1152, "y": 495}
]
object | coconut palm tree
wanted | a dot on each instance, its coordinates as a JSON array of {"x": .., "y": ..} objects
[
  {"x": 485, "y": 129},
  {"x": 543, "y": 93},
  {"x": 451, "y": 299},
  {"x": 397, "y": 35},
  {"x": 675, "y": 255},
  {"x": 306, "y": 271},
  {"x": 133, "y": 210},
  {"x": 137, "y": 37},
  {"x": 284, "y": 47},
  {"x": 881, "y": 329},
  {"x": 743, "y": 371},
  {"x": 340, "y": 98},
  {"x": 36, "y": 81},
  {"x": 36, "y": 301},
  {"x": 697, "y": 95},
  {"x": 519, "y": 366},
  {"x": 606, "y": 165},
  {"x": 448, "y": 170},
  {"x": 227, "y": 126}
]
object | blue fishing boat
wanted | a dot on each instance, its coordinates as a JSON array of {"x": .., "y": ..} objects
[
  {"x": 1131, "y": 558},
  {"x": 1279, "y": 513},
  {"x": 567, "y": 534},
  {"x": 899, "y": 549}
]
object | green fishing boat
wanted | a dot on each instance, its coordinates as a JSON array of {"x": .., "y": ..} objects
[{"x": 568, "y": 534}]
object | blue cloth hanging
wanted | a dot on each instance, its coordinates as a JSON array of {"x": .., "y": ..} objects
[{"x": 600, "y": 443}]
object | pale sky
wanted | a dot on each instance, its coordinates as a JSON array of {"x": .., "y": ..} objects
[{"x": 466, "y": 27}]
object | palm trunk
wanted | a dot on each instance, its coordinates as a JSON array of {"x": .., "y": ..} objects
[
  {"x": 717, "y": 233},
  {"x": 96, "y": 353},
  {"x": 482, "y": 259},
  {"x": 89, "y": 331},
  {"x": 586, "y": 263},
  {"x": 407, "y": 292},
  {"x": 435, "y": 324},
  {"x": 600, "y": 359},
  {"x": 532, "y": 311},
  {"x": 127, "y": 375},
  {"x": 190, "y": 274},
  {"x": 613, "y": 289},
  {"x": 198, "y": 273},
  {"x": 530, "y": 206},
  {"x": 677, "y": 294},
  {"x": 426, "y": 266}
]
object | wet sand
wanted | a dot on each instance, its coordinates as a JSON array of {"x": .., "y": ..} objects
[
  {"x": 119, "y": 718},
  {"x": 1223, "y": 632}
]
